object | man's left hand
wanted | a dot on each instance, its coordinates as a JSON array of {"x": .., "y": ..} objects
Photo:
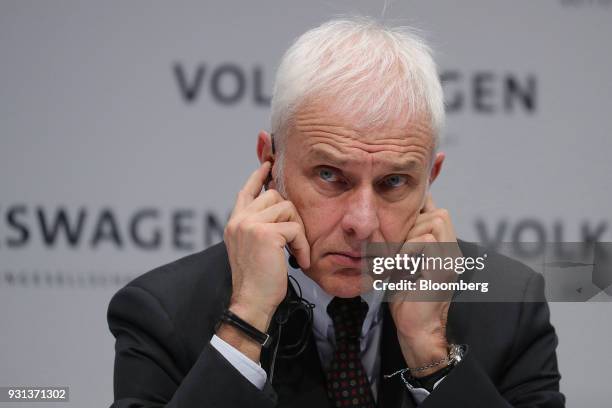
[{"x": 421, "y": 325}]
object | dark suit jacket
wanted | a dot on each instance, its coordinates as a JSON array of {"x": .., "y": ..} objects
[{"x": 163, "y": 322}]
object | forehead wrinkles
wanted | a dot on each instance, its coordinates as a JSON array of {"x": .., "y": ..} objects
[
  {"x": 380, "y": 151},
  {"x": 313, "y": 129}
]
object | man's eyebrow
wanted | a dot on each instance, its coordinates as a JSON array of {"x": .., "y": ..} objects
[
  {"x": 324, "y": 155},
  {"x": 403, "y": 165}
]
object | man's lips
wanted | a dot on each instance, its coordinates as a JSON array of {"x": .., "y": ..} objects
[{"x": 348, "y": 258}]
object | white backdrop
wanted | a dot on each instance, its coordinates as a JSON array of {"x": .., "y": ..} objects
[{"x": 134, "y": 124}]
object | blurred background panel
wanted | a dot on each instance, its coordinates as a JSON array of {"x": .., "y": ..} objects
[{"x": 126, "y": 129}]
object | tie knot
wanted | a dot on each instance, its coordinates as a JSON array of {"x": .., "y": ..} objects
[{"x": 348, "y": 316}]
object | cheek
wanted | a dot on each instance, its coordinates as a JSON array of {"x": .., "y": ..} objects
[
  {"x": 320, "y": 215},
  {"x": 320, "y": 218}
]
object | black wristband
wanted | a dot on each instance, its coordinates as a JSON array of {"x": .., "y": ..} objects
[{"x": 230, "y": 318}]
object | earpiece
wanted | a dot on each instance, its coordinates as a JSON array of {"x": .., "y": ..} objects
[{"x": 293, "y": 261}]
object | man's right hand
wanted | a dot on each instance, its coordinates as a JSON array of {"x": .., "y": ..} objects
[{"x": 260, "y": 226}]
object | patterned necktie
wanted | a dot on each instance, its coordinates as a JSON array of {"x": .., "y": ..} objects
[{"x": 347, "y": 383}]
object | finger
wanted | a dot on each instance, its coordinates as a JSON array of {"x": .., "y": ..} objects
[
  {"x": 434, "y": 225},
  {"x": 414, "y": 247},
  {"x": 266, "y": 199},
  {"x": 429, "y": 204},
  {"x": 294, "y": 236},
  {"x": 437, "y": 213},
  {"x": 269, "y": 207},
  {"x": 437, "y": 221},
  {"x": 283, "y": 211},
  {"x": 433, "y": 248},
  {"x": 252, "y": 187},
  {"x": 417, "y": 244}
]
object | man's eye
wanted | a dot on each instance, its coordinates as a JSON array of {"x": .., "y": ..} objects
[
  {"x": 394, "y": 181},
  {"x": 328, "y": 175}
]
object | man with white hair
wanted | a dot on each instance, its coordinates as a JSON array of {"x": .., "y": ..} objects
[{"x": 357, "y": 113}]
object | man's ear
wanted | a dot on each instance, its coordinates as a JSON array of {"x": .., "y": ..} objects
[
  {"x": 265, "y": 152},
  {"x": 264, "y": 147},
  {"x": 437, "y": 167}
]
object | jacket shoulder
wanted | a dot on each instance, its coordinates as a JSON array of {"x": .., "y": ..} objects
[
  {"x": 208, "y": 268},
  {"x": 192, "y": 291},
  {"x": 508, "y": 278}
]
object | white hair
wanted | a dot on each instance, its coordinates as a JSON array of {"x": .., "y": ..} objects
[{"x": 374, "y": 74}]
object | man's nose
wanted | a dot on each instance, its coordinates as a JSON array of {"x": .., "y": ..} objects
[{"x": 361, "y": 218}]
